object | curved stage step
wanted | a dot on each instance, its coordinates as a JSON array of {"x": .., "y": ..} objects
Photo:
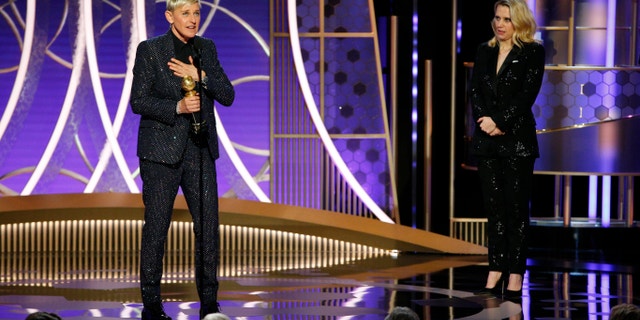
[{"x": 321, "y": 223}]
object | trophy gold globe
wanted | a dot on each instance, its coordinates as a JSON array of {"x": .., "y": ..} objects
[{"x": 188, "y": 85}]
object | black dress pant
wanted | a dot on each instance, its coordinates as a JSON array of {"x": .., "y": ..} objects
[
  {"x": 506, "y": 187},
  {"x": 196, "y": 175}
]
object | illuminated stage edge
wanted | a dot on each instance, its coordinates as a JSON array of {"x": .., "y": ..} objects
[{"x": 306, "y": 221}]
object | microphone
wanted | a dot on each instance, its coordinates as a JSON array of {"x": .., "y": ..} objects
[
  {"x": 195, "y": 50},
  {"x": 197, "y": 126}
]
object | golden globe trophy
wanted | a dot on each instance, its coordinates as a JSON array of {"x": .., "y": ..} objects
[{"x": 188, "y": 85}]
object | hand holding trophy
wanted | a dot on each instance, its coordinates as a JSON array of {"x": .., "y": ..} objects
[{"x": 188, "y": 85}]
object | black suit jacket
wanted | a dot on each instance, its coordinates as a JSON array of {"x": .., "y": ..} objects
[
  {"x": 507, "y": 97},
  {"x": 155, "y": 92}
]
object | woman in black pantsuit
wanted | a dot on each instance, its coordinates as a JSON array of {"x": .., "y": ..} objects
[
  {"x": 172, "y": 154},
  {"x": 506, "y": 78}
]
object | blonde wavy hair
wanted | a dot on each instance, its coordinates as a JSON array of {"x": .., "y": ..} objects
[{"x": 524, "y": 23}]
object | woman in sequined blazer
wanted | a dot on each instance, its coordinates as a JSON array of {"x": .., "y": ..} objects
[
  {"x": 171, "y": 155},
  {"x": 506, "y": 78}
]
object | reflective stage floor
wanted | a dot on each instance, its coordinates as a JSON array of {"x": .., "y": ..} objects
[
  {"x": 53, "y": 259},
  {"x": 348, "y": 283}
]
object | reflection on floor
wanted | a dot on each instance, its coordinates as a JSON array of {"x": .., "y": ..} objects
[{"x": 92, "y": 273}]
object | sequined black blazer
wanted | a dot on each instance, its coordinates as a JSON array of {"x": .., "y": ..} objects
[
  {"x": 507, "y": 97},
  {"x": 155, "y": 92}
]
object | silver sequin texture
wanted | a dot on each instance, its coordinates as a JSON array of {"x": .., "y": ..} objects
[{"x": 171, "y": 158}]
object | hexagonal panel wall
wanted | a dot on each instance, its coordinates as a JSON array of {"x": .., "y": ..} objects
[{"x": 343, "y": 85}]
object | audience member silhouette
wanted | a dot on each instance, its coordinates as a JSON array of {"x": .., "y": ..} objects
[
  {"x": 402, "y": 313},
  {"x": 42, "y": 315},
  {"x": 625, "y": 311}
]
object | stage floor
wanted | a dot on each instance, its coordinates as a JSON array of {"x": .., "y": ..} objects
[
  {"x": 318, "y": 285},
  {"x": 77, "y": 256}
]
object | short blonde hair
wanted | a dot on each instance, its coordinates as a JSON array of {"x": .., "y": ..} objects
[{"x": 173, "y": 4}]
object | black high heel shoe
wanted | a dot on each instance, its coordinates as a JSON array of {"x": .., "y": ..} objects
[
  {"x": 154, "y": 312},
  {"x": 497, "y": 289},
  {"x": 208, "y": 309},
  {"x": 513, "y": 295}
]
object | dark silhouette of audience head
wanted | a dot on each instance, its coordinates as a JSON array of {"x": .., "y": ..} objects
[
  {"x": 625, "y": 311},
  {"x": 41, "y": 315},
  {"x": 402, "y": 313}
]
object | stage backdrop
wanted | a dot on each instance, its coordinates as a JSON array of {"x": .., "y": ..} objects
[{"x": 65, "y": 84}]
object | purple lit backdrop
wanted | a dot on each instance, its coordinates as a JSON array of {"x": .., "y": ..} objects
[{"x": 48, "y": 82}]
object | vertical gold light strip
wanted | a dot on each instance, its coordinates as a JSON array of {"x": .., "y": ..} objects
[
  {"x": 56, "y": 248},
  {"x": 3, "y": 251},
  {"x": 93, "y": 245},
  {"x": 633, "y": 60},
  {"x": 127, "y": 240},
  {"x": 79, "y": 246},
  {"x": 108, "y": 247},
  {"x": 28, "y": 251},
  {"x": 428, "y": 129},
  {"x": 630, "y": 200},
  {"x": 321, "y": 71},
  {"x": 20, "y": 246},
  {"x": 572, "y": 33},
  {"x": 39, "y": 238},
  {"x": 383, "y": 107}
]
